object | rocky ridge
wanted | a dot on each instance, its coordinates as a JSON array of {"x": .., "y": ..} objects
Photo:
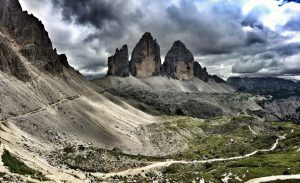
[
  {"x": 32, "y": 39},
  {"x": 118, "y": 64},
  {"x": 146, "y": 62},
  {"x": 145, "y": 59},
  {"x": 179, "y": 62}
]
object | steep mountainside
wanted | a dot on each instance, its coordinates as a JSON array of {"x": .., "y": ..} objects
[{"x": 160, "y": 95}]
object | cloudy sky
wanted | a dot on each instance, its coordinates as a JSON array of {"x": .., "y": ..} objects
[{"x": 229, "y": 37}]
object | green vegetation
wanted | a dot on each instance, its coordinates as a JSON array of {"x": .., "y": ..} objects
[
  {"x": 223, "y": 136},
  {"x": 245, "y": 169},
  {"x": 284, "y": 160},
  {"x": 17, "y": 166}
]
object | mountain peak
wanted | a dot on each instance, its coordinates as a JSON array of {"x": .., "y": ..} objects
[
  {"x": 145, "y": 59},
  {"x": 147, "y": 35},
  {"x": 179, "y": 62},
  {"x": 118, "y": 64},
  {"x": 30, "y": 36},
  {"x": 178, "y": 43}
]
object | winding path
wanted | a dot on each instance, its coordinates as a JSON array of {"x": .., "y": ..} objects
[
  {"x": 70, "y": 98},
  {"x": 41, "y": 109},
  {"x": 274, "y": 178},
  {"x": 157, "y": 165},
  {"x": 252, "y": 131}
]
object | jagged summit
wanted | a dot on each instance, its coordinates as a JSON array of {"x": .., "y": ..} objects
[
  {"x": 147, "y": 35},
  {"x": 145, "y": 58},
  {"x": 200, "y": 72},
  {"x": 179, "y": 62},
  {"x": 118, "y": 64},
  {"x": 146, "y": 62},
  {"x": 32, "y": 39},
  {"x": 178, "y": 43}
]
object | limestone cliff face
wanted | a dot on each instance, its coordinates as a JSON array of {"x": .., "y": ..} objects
[
  {"x": 118, "y": 64},
  {"x": 200, "y": 72},
  {"x": 145, "y": 59},
  {"x": 10, "y": 62},
  {"x": 179, "y": 62},
  {"x": 30, "y": 35}
]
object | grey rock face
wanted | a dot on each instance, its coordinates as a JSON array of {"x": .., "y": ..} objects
[
  {"x": 205, "y": 75},
  {"x": 118, "y": 64},
  {"x": 31, "y": 36},
  {"x": 64, "y": 60},
  {"x": 145, "y": 59},
  {"x": 198, "y": 72},
  {"x": 217, "y": 79},
  {"x": 10, "y": 63},
  {"x": 283, "y": 109},
  {"x": 179, "y": 62}
]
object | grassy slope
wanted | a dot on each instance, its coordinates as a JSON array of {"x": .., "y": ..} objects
[
  {"x": 284, "y": 160},
  {"x": 221, "y": 137},
  {"x": 219, "y": 132},
  {"x": 17, "y": 166}
]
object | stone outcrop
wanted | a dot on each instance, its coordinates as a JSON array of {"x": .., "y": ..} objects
[
  {"x": 145, "y": 59},
  {"x": 200, "y": 72},
  {"x": 205, "y": 75},
  {"x": 217, "y": 79},
  {"x": 118, "y": 64},
  {"x": 179, "y": 62},
  {"x": 30, "y": 35},
  {"x": 11, "y": 63}
]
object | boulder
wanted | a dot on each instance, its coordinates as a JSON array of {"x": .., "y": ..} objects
[
  {"x": 145, "y": 59},
  {"x": 179, "y": 62},
  {"x": 118, "y": 64}
]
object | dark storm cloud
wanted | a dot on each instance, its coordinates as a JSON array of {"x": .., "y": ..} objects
[
  {"x": 255, "y": 37},
  {"x": 110, "y": 18},
  {"x": 288, "y": 1},
  {"x": 92, "y": 12}
]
